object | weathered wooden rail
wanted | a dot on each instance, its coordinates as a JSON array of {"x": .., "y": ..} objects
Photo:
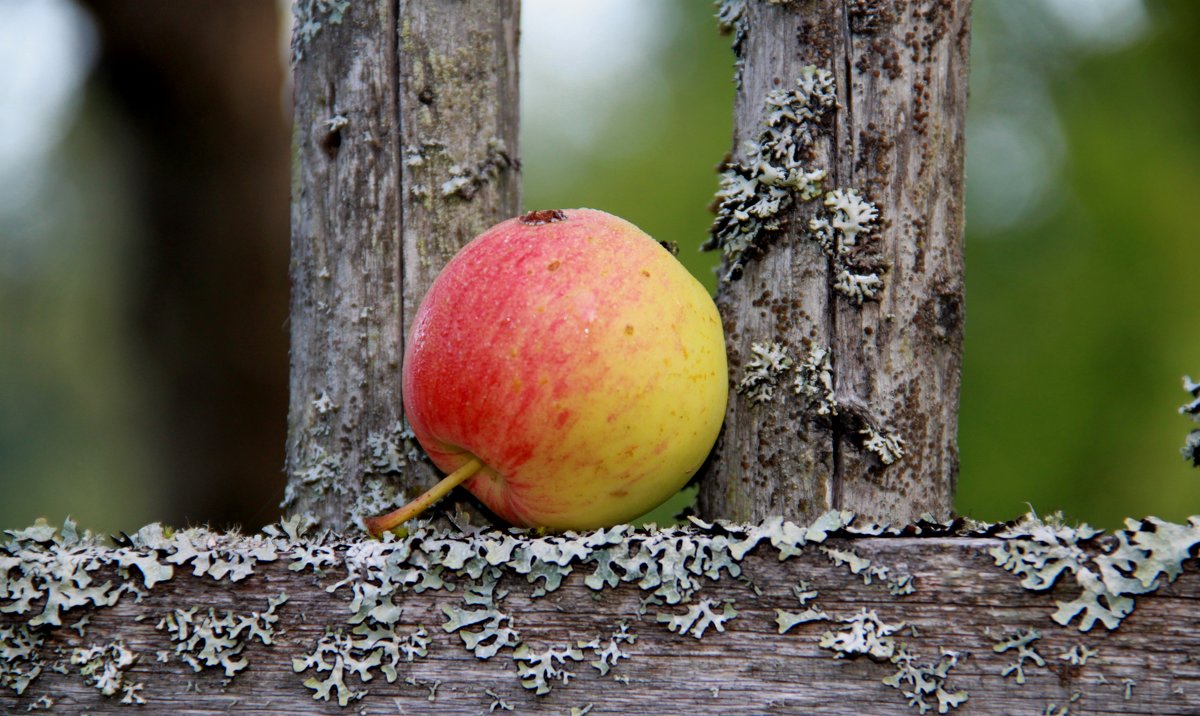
[{"x": 771, "y": 618}]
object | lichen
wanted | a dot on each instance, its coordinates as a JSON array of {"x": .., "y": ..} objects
[
  {"x": 209, "y": 640},
  {"x": 1191, "y": 447},
  {"x": 494, "y": 631},
  {"x": 537, "y": 669},
  {"x": 337, "y": 655},
  {"x": 608, "y": 654},
  {"x": 320, "y": 473},
  {"x": 466, "y": 181},
  {"x": 20, "y": 658},
  {"x": 391, "y": 451},
  {"x": 918, "y": 681},
  {"x": 309, "y": 16},
  {"x": 768, "y": 362},
  {"x": 731, "y": 20},
  {"x": 220, "y": 555},
  {"x": 898, "y": 584},
  {"x": 1022, "y": 641},
  {"x": 55, "y": 568},
  {"x": 323, "y": 403},
  {"x": 1078, "y": 655},
  {"x": 865, "y": 634},
  {"x": 1135, "y": 561},
  {"x": 785, "y": 620},
  {"x": 497, "y": 702},
  {"x": 888, "y": 446},
  {"x": 103, "y": 666},
  {"x": 756, "y": 191},
  {"x": 812, "y": 381},
  {"x": 845, "y": 233},
  {"x": 699, "y": 617}
]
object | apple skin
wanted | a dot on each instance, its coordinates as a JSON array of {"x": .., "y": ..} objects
[{"x": 578, "y": 360}]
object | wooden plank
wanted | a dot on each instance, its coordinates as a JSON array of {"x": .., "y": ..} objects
[{"x": 961, "y": 602}]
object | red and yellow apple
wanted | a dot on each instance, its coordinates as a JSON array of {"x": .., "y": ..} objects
[{"x": 565, "y": 368}]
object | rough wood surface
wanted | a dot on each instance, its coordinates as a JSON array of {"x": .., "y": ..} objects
[
  {"x": 895, "y": 137},
  {"x": 961, "y": 602},
  {"x": 405, "y": 147}
]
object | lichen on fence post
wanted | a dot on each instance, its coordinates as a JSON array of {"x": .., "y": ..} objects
[{"x": 839, "y": 219}]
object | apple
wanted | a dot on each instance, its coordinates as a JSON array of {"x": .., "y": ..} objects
[{"x": 567, "y": 370}]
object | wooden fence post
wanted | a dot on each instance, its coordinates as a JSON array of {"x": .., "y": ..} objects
[
  {"x": 405, "y": 146},
  {"x": 840, "y": 220}
]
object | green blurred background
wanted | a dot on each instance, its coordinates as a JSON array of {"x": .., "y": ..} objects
[{"x": 143, "y": 239}]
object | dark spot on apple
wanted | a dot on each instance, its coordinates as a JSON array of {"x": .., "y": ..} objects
[
  {"x": 562, "y": 418},
  {"x": 628, "y": 330},
  {"x": 553, "y": 266},
  {"x": 543, "y": 216},
  {"x": 645, "y": 273},
  {"x": 619, "y": 493}
]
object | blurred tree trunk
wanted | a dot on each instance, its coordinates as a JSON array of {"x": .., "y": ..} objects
[
  {"x": 843, "y": 307},
  {"x": 406, "y": 142},
  {"x": 200, "y": 85}
]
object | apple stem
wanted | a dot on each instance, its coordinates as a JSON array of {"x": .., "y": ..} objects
[{"x": 378, "y": 525}]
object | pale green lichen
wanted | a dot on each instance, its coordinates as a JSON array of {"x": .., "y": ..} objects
[
  {"x": 220, "y": 555},
  {"x": 497, "y": 702},
  {"x": 309, "y": 16},
  {"x": 323, "y": 403},
  {"x": 1022, "y": 641},
  {"x": 20, "y": 658},
  {"x": 103, "y": 666},
  {"x": 320, "y": 473},
  {"x": 923, "y": 685},
  {"x": 785, "y": 620},
  {"x": 337, "y": 655},
  {"x": 755, "y": 191},
  {"x": 1078, "y": 654},
  {"x": 1191, "y": 447},
  {"x": 1134, "y": 561},
  {"x": 888, "y": 446},
  {"x": 537, "y": 669},
  {"x": 731, "y": 19},
  {"x": 813, "y": 382},
  {"x": 865, "y": 634},
  {"x": 393, "y": 450},
  {"x": 699, "y": 617},
  {"x": 844, "y": 231},
  {"x": 209, "y": 640},
  {"x": 768, "y": 363},
  {"x": 40, "y": 564},
  {"x": 494, "y": 629},
  {"x": 608, "y": 654},
  {"x": 918, "y": 682},
  {"x": 465, "y": 182}
]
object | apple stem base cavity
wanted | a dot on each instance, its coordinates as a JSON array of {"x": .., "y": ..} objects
[
  {"x": 576, "y": 361},
  {"x": 383, "y": 523}
]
